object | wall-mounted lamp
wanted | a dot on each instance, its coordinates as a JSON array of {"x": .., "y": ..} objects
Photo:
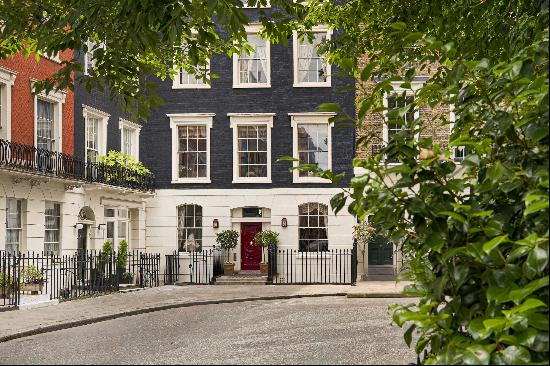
[
  {"x": 284, "y": 223},
  {"x": 78, "y": 226},
  {"x": 215, "y": 224},
  {"x": 101, "y": 227}
]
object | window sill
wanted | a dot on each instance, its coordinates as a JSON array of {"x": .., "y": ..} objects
[
  {"x": 192, "y": 86},
  {"x": 251, "y": 180},
  {"x": 311, "y": 180},
  {"x": 311, "y": 85},
  {"x": 191, "y": 181},
  {"x": 251, "y": 86}
]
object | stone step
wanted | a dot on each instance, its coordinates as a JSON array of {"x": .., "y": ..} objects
[
  {"x": 241, "y": 280},
  {"x": 235, "y": 283},
  {"x": 380, "y": 270},
  {"x": 380, "y": 277}
]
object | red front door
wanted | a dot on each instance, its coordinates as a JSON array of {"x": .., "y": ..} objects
[{"x": 251, "y": 255}]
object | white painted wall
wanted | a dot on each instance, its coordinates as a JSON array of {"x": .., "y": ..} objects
[
  {"x": 35, "y": 191},
  {"x": 161, "y": 218}
]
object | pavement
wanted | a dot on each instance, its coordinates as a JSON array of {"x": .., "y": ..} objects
[
  {"x": 301, "y": 331},
  {"x": 68, "y": 314}
]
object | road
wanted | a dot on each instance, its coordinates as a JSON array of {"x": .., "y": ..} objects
[{"x": 329, "y": 330}]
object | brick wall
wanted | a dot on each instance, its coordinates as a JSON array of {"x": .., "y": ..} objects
[
  {"x": 435, "y": 120},
  {"x": 22, "y": 107}
]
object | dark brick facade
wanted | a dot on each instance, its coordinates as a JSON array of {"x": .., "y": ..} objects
[
  {"x": 282, "y": 98},
  {"x": 99, "y": 100}
]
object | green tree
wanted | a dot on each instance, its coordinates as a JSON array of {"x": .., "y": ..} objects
[
  {"x": 475, "y": 234},
  {"x": 143, "y": 40}
]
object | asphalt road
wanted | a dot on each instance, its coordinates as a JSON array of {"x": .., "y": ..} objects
[{"x": 330, "y": 330}]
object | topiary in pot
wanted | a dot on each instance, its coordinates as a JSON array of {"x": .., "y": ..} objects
[
  {"x": 266, "y": 239},
  {"x": 122, "y": 261},
  {"x": 227, "y": 240}
]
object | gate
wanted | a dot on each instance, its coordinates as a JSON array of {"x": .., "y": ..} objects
[{"x": 9, "y": 280}]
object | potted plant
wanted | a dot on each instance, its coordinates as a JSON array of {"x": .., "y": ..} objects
[
  {"x": 6, "y": 286},
  {"x": 99, "y": 273},
  {"x": 128, "y": 277},
  {"x": 122, "y": 261},
  {"x": 227, "y": 239},
  {"x": 32, "y": 280},
  {"x": 265, "y": 239}
]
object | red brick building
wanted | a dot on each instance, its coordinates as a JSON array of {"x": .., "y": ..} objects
[{"x": 19, "y": 108}]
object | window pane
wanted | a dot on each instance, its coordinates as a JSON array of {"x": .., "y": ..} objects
[
  {"x": 189, "y": 228},
  {"x": 192, "y": 151},
  {"x": 110, "y": 230},
  {"x": 44, "y": 125},
  {"x": 312, "y": 230}
]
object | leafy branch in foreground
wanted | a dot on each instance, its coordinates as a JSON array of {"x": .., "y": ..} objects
[{"x": 475, "y": 234}]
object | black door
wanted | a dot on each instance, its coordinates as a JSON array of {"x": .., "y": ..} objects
[
  {"x": 380, "y": 252},
  {"x": 82, "y": 247}
]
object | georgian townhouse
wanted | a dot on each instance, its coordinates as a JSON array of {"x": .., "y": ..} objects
[
  {"x": 34, "y": 130},
  {"x": 100, "y": 127},
  {"x": 382, "y": 259},
  {"x": 214, "y": 150},
  {"x": 54, "y": 198}
]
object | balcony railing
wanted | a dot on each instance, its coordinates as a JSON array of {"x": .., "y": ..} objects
[{"x": 30, "y": 159}]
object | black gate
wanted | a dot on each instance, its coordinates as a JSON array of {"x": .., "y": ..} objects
[
  {"x": 9, "y": 280},
  {"x": 198, "y": 267}
]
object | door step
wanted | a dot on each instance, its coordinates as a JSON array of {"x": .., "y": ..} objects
[
  {"x": 241, "y": 280},
  {"x": 378, "y": 277},
  {"x": 380, "y": 270}
]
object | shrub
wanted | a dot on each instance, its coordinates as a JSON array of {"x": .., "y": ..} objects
[
  {"x": 227, "y": 239},
  {"x": 31, "y": 274},
  {"x": 266, "y": 239},
  {"x": 122, "y": 259}
]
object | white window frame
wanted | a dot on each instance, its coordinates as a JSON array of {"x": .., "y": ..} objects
[
  {"x": 135, "y": 130},
  {"x": 102, "y": 129},
  {"x": 397, "y": 89},
  {"x": 91, "y": 48},
  {"x": 7, "y": 79},
  {"x": 58, "y": 229},
  {"x": 310, "y": 118},
  {"x": 177, "y": 85},
  {"x": 116, "y": 219},
  {"x": 55, "y": 58},
  {"x": 319, "y": 204},
  {"x": 250, "y": 119},
  {"x": 253, "y": 29},
  {"x": 189, "y": 119},
  {"x": 454, "y": 149},
  {"x": 58, "y": 99},
  {"x": 183, "y": 228},
  {"x": 22, "y": 213},
  {"x": 295, "y": 44}
]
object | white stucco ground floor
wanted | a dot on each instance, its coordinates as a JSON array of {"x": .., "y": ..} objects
[{"x": 59, "y": 215}]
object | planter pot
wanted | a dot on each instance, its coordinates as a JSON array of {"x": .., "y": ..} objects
[
  {"x": 264, "y": 268},
  {"x": 120, "y": 274},
  {"x": 228, "y": 269},
  {"x": 5, "y": 293},
  {"x": 33, "y": 288}
]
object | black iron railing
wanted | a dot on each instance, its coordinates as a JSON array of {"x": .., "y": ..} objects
[
  {"x": 290, "y": 266},
  {"x": 83, "y": 273},
  {"x": 30, "y": 159},
  {"x": 200, "y": 267}
]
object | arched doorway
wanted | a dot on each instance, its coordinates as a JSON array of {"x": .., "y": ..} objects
[{"x": 85, "y": 220}]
